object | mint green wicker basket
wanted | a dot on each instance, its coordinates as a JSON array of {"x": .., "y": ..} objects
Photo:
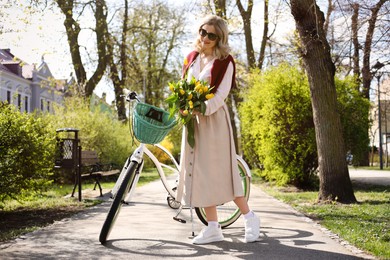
[{"x": 151, "y": 124}]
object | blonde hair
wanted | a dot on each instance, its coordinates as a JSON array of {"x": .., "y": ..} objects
[{"x": 222, "y": 48}]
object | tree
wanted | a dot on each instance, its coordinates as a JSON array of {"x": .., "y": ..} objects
[
  {"x": 154, "y": 32},
  {"x": 335, "y": 183},
  {"x": 220, "y": 8},
  {"x": 367, "y": 36},
  {"x": 70, "y": 9},
  {"x": 119, "y": 71},
  {"x": 246, "y": 18}
]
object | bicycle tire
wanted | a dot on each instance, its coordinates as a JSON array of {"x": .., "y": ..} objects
[
  {"x": 228, "y": 213},
  {"x": 172, "y": 202},
  {"x": 116, "y": 205}
]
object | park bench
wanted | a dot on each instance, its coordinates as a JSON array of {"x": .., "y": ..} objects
[{"x": 92, "y": 168}]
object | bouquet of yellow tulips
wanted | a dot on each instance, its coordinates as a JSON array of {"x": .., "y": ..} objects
[{"x": 185, "y": 98}]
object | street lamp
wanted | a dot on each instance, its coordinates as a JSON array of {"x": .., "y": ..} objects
[{"x": 378, "y": 65}]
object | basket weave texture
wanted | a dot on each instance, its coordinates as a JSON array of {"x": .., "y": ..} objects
[{"x": 148, "y": 130}]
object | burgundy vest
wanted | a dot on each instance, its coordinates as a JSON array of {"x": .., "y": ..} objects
[{"x": 217, "y": 71}]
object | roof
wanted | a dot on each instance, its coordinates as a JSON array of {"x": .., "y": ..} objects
[
  {"x": 6, "y": 55},
  {"x": 4, "y": 68}
]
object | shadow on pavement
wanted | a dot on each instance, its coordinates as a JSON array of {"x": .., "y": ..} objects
[{"x": 267, "y": 248}]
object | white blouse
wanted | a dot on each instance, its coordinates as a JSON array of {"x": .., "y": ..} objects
[{"x": 212, "y": 105}]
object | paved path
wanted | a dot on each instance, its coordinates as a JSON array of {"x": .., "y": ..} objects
[
  {"x": 145, "y": 230},
  {"x": 377, "y": 177}
]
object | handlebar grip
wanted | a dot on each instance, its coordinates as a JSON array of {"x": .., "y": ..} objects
[{"x": 132, "y": 96}]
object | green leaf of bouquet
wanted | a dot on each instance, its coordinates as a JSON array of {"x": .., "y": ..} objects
[
  {"x": 193, "y": 80},
  {"x": 171, "y": 99},
  {"x": 203, "y": 107},
  {"x": 190, "y": 133}
]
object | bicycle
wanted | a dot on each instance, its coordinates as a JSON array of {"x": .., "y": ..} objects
[{"x": 150, "y": 125}]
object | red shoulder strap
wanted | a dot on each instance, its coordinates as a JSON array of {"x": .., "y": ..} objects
[
  {"x": 188, "y": 61},
  {"x": 218, "y": 72}
]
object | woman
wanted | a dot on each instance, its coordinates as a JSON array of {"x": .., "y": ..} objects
[{"x": 209, "y": 171}]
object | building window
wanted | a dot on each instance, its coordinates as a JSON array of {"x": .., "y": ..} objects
[
  {"x": 9, "y": 97},
  {"x": 26, "y": 104},
  {"x": 19, "y": 101},
  {"x": 48, "y": 106},
  {"x": 42, "y": 105}
]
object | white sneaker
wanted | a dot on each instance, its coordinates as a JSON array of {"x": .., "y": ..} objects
[
  {"x": 208, "y": 235},
  {"x": 252, "y": 229}
]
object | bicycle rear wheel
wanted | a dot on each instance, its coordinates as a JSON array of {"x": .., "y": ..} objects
[
  {"x": 228, "y": 213},
  {"x": 116, "y": 205}
]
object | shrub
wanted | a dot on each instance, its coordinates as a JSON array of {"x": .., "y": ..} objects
[
  {"x": 27, "y": 148},
  {"x": 278, "y": 129},
  {"x": 277, "y": 125},
  {"x": 160, "y": 155},
  {"x": 354, "y": 110},
  {"x": 98, "y": 130}
]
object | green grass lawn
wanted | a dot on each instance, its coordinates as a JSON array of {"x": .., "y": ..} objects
[
  {"x": 365, "y": 225},
  {"x": 28, "y": 213}
]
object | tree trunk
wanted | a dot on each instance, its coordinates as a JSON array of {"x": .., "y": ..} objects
[
  {"x": 355, "y": 40},
  {"x": 100, "y": 30},
  {"x": 246, "y": 18},
  {"x": 335, "y": 183},
  {"x": 119, "y": 82},
  {"x": 366, "y": 69},
  {"x": 265, "y": 36},
  {"x": 220, "y": 8},
  {"x": 328, "y": 13},
  {"x": 73, "y": 30}
]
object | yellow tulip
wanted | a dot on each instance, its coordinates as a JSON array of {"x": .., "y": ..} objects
[
  {"x": 209, "y": 96},
  {"x": 171, "y": 87},
  {"x": 189, "y": 97},
  {"x": 185, "y": 112},
  {"x": 191, "y": 104},
  {"x": 182, "y": 92},
  {"x": 185, "y": 61}
]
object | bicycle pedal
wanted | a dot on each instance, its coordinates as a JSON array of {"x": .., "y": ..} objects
[
  {"x": 124, "y": 202},
  {"x": 179, "y": 220}
]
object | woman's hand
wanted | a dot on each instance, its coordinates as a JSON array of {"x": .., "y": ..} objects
[
  {"x": 195, "y": 112},
  {"x": 185, "y": 112}
]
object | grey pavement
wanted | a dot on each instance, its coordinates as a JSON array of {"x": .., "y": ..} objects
[
  {"x": 377, "y": 177},
  {"x": 145, "y": 230}
]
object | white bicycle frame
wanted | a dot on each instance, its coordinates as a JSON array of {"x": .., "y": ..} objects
[{"x": 138, "y": 157}]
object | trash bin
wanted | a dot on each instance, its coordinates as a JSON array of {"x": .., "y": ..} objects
[{"x": 68, "y": 155}]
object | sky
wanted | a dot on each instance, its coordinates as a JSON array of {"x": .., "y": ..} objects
[{"x": 42, "y": 35}]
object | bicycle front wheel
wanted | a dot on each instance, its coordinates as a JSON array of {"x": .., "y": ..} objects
[
  {"x": 228, "y": 213},
  {"x": 116, "y": 205}
]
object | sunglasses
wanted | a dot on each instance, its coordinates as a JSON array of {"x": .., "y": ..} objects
[{"x": 211, "y": 36}]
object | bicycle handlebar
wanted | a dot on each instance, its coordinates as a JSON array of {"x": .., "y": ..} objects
[{"x": 131, "y": 96}]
